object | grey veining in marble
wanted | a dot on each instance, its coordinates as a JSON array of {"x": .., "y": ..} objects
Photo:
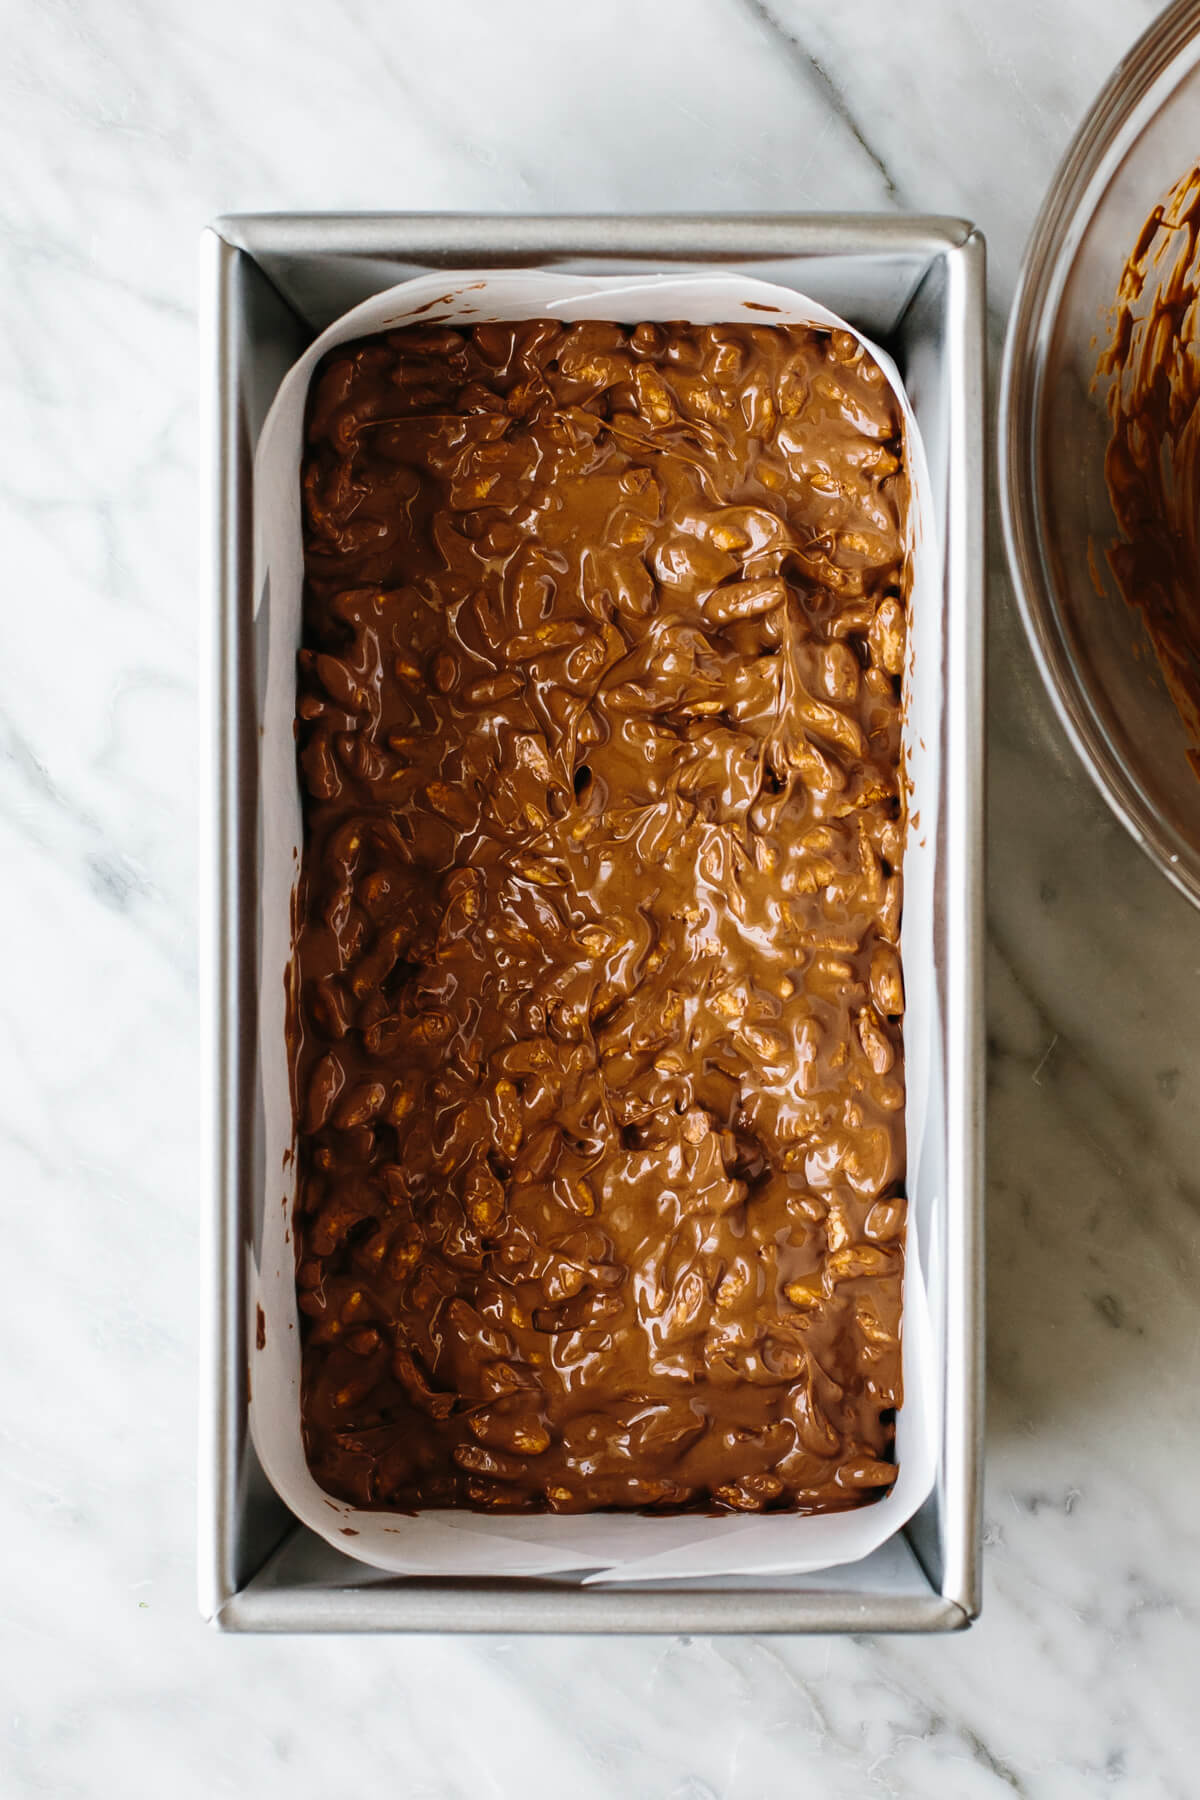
[{"x": 123, "y": 128}]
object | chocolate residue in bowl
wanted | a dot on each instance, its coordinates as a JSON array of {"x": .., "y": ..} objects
[{"x": 1151, "y": 467}]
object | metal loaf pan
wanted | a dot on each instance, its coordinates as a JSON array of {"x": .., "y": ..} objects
[{"x": 269, "y": 284}]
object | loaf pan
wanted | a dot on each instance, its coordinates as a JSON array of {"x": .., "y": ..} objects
[{"x": 269, "y": 284}]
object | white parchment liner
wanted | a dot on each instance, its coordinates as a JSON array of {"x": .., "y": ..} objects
[{"x": 597, "y": 1546}]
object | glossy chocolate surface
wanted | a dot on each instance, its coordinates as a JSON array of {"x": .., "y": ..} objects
[{"x": 598, "y": 1044}]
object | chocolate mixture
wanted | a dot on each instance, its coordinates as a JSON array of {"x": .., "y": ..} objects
[
  {"x": 600, "y": 1094},
  {"x": 1152, "y": 466}
]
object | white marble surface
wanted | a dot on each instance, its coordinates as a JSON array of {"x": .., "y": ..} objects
[{"x": 123, "y": 129}]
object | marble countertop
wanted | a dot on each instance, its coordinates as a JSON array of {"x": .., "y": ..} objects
[{"x": 124, "y": 129}]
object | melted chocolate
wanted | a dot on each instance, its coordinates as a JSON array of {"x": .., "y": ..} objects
[
  {"x": 1152, "y": 466},
  {"x": 598, "y": 1061}
]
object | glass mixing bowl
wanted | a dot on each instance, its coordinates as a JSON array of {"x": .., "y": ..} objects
[{"x": 1142, "y": 134}]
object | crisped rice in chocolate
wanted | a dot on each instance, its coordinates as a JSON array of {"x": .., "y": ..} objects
[{"x": 598, "y": 1032}]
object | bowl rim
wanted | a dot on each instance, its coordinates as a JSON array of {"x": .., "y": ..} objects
[{"x": 1170, "y": 46}]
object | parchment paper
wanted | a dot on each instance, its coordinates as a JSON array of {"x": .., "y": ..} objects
[{"x": 599, "y": 1546}]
